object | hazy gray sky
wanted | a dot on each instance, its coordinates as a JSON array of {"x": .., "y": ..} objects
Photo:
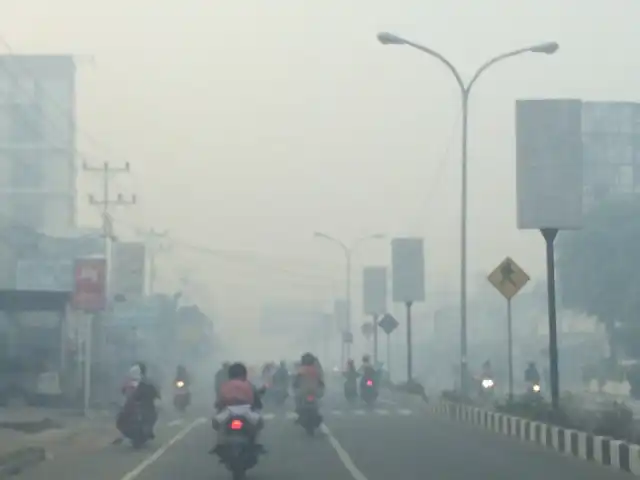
[{"x": 250, "y": 124}]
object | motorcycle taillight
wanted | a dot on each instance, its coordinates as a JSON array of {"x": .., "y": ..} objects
[
  {"x": 369, "y": 383},
  {"x": 236, "y": 424},
  {"x": 310, "y": 398}
]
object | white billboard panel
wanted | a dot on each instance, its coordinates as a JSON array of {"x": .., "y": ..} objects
[
  {"x": 128, "y": 269},
  {"x": 45, "y": 275},
  {"x": 549, "y": 173},
  {"x": 407, "y": 258},
  {"x": 374, "y": 293}
]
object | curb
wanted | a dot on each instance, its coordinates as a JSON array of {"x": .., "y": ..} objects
[
  {"x": 15, "y": 462},
  {"x": 605, "y": 451}
]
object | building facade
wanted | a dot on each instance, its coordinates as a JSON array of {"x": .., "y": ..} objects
[
  {"x": 37, "y": 141},
  {"x": 611, "y": 150}
]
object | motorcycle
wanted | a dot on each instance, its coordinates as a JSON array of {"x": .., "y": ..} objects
[
  {"x": 181, "y": 396},
  {"x": 368, "y": 391},
  {"x": 133, "y": 427},
  {"x": 239, "y": 452},
  {"x": 487, "y": 388},
  {"x": 309, "y": 414}
]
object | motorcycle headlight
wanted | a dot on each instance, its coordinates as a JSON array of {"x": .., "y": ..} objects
[
  {"x": 180, "y": 384},
  {"x": 536, "y": 388},
  {"x": 487, "y": 383}
]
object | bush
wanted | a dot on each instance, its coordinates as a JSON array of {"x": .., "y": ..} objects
[
  {"x": 614, "y": 420},
  {"x": 456, "y": 397},
  {"x": 413, "y": 388}
]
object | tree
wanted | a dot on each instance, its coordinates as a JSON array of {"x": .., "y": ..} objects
[{"x": 599, "y": 270}]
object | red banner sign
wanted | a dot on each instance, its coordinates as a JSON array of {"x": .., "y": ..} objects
[{"x": 90, "y": 283}]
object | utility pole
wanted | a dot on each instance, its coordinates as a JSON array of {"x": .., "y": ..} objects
[
  {"x": 107, "y": 231},
  {"x": 153, "y": 239}
]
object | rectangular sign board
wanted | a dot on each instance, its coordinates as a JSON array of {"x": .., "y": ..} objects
[
  {"x": 45, "y": 275},
  {"x": 549, "y": 166},
  {"x": 128, "y": 269},
  {"x": 407, "y": 259},
  {"x": 90, "y": 275},
  {"x": 374, "y": 293}
]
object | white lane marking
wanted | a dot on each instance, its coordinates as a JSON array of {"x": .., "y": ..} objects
[
  {"x": 269, "y": 416},
  {"x": 175, "y": 423},
  {"x": 336, "y": 412},
  {"x": 359, "y": 412},
  {"x": 135, "y": 473},
  {"x": 382, "y": 412},
  {"x": 291, "y": 415},
  {"x": 342, "y": 455},
  {"x": 402, "y": 411},
  {"x": 388, "y": 402}
]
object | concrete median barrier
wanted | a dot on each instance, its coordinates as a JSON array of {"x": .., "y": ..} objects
[{"x": 602, "y": 450}]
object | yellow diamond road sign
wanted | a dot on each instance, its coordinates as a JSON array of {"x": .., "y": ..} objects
[{"x": 508, "y": 278}]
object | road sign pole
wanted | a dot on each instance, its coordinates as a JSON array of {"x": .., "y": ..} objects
[
  {"x": 87, "y": 363},
  {"x": 375, "y": 339},
  {"x": 510, "y": 348},
  {"x": 549, "y": 235},
  {"x": 409, "y": 349},
  {"x": 389, "y": 355}
]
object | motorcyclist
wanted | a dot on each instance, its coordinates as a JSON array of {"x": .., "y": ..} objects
[
  {"x": 139, "y": 393},
  {"x": 281, "y": 376},
  {"x": 145, "y": 396},
  {"x": 487, "y": 371},
  {"x": 182, "y": 375},
  {"x": 367, "y": 370},
  {"x": 351, "y": 378},
  {"x": 237, "y": 391},
  {"x": 308, "y": 379},
  {"x": 128, "y": 389},
  {"x": 531, "y": 374},
  {"x": 222, "y": 376}
]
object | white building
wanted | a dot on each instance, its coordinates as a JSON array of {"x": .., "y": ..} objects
[
  {"x": 37, "y": 141},
  {"x": 611, "y": 150}
]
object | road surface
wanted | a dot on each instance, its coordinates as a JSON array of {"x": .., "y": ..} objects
[{"x": 399, "y": 439}]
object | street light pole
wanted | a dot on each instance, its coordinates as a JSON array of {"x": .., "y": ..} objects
[
  {"x": 348, "y": 253},
  {"x": 465, "y": 90}
]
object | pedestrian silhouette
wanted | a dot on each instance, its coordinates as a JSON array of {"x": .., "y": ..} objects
[{"x": 507, "y": 273}]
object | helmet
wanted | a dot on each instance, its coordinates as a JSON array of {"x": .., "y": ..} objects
[
  {"x": 350, "y": 362},
  {"x": 307, "y": 359},
  {"x": 366, "y": 359},
  {"x": 237, "y": 371}
]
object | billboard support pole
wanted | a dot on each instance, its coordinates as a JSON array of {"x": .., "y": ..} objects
[
  {"x": 549, "y": 235},
  {"x": 409, "y": 349},
  {"x": 375, "y": 339}
]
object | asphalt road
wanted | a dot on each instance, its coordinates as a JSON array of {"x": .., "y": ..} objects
[{"x": 397, "y": 440}]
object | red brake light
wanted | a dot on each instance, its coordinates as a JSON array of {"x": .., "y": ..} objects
[
  {"x": 236, "y": 424},
  {"x": 310, "y": 398},
  {"x": 369, "y": 383}
]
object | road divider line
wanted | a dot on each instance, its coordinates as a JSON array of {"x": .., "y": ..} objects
[
  {"x": 269, "y": 416},
  {"x": 135, "y": 473},
  {"x": 403, "y": 411},
  {"x": 388, "y": 402},
  {"x": 344, "y": 457},
  {"x": 175, "y": 423}
]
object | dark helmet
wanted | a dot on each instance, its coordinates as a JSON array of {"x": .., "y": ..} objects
[
  {"x": 308, "y": 359},
  {"x": 143, "y": 368},
  {"x": 366, "y": 359},
  {"x": 237, "y": 371}
]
